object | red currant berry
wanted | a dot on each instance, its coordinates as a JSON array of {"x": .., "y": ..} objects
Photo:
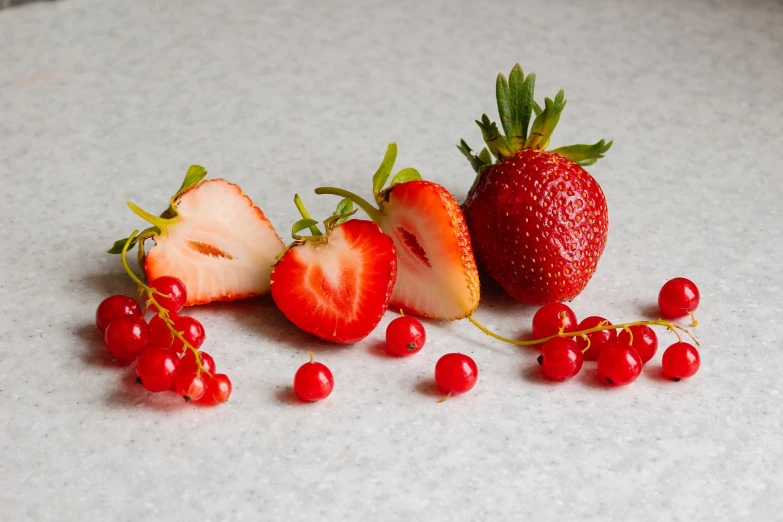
[
  {"x": 619, "y": 365},
  {"x": 126, "y": 337},
  {"x": 218, "y": 389},
  {"x": 113, "y": 308},
  {"x": 560, "y": 359},
  {"x": 156, "y": 367},
  {"x": 405, "y": 336},
  {"x": 190, "y": 385},
  {"x": 680, "y": 361},
  {"x": 678, "y": 297},
  {"x": 644, "y": 341},
  {"x": 550, "y": 318},
  {"x": 313, "y": 381},
  {"x": 174, "y": 289},
  {"x": 598, "y": 339},
  {"x": 456, "y": 373},
  {"x": 188, "y": 362},
  {"x": 191, "y": 329}
]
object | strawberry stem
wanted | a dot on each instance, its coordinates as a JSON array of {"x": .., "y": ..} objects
[
  {"x": 161, "y": 223},
  {"x": 658, "y": 322},
  {"x": 371, "y": 211},
  {"x": 162, "y": 312},
  {"x": 305, "y": 215}
]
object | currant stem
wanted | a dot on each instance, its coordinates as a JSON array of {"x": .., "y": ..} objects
[
  {"x": 370, "y": 210},
  {"x": 444, "y": 399},
  {"x": 694, "y": 322},
  {"x": 162, "y": 312},
  {"x": 659, "y": 322},
  {"x": 305, "y": 215}
]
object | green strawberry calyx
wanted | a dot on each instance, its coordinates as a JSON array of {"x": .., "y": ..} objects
[
  {"x": 379, "y": 180},
  {"x": 516, "y": 106}
]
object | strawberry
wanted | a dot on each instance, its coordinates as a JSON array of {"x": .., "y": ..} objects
[
  {"x": 337, "y": 285},
  {"x": 213, "y": 238},
  {"x": 437, "y": 272},
  {"x": 538, "y": 220}
]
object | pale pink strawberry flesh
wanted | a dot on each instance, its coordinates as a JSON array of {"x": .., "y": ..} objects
[
  {"x": 437, "y": 274},
  {"x": 222, "y": 248}
]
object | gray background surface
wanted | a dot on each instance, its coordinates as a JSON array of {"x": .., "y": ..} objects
[{"x": 107, "y": 101}]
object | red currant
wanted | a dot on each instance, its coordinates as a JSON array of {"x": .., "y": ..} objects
[
  {"x": 680, "y": 361},
  {"x": 174, "y": 293},
  {"x": 188, "y": 362},
  {"x": 113, "y": 308},
  {"x": 644, "y": 341},
  {"x": 560, "y": 358},
  {"x": 598, "y": 339},
  {"x": 313, "y": 381},
  {"x": 550, "y": 318},
  {"x": 405, "y": 336},
  {"x": 678, "y": 297},
  {"x": 126, "y": 337},
  {"x": 191, "y": 329},
  {"x": 156, "y": 367},
  {"x": 190, "y": 385},
  {"x": 456, "y": 373},
  {"x": 619, "y": 365},
  {"x": 218, "y": 389}
]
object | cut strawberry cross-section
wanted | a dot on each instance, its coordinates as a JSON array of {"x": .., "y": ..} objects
[
  {"x": 437, "y": 272},
  {"x": 214, "y": 239},
  {"x": 336, "y": 286}
]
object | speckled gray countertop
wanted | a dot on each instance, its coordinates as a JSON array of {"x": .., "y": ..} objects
[{"x": 106, "y": 101}]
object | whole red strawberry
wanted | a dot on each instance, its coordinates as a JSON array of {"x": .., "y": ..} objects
[{"x": 537, "y": 219}]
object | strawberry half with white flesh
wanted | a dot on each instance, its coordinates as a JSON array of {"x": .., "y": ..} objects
[
  {"x": 437, "y": 273},
  {"x": 336, "y": 285},
  {"x": 213, "y": 238}
]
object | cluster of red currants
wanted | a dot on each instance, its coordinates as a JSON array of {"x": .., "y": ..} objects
[
  {"x": 620, "y": 356},
  {"x": 455, "y": 373},
  {"x": 166, "y": 350}
]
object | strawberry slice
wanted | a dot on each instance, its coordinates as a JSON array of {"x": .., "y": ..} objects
[
  {"x": 437, "y": 272},
  {"x": 214, "y": 239},
  {"x": 336, "y": 286}
]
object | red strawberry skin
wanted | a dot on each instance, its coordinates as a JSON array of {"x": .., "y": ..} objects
[
  {"x": 539, "y": 225},
  {"x": 338, "y": 287}
]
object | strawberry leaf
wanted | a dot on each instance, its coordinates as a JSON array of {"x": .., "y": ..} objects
[
  {"x": 385, "y": 169},
  {"x": 545, "y": 123},
  {"x": 120, "y": 244},
  {"x": 301, "y": 225},
  {"x": 524, "y": 103},
  {"x": 585, "y": 154},
  {"x": 497, "y": 143},
  {"x": 536, "y": 108},
  {"x": 194, "y": 175},
  {"x": 475, "y": 161},
  {"x": 341, "y": 214},
  {"x": 405, "y": 175},
  {"x": 505, "y": 108},
  {"x": 484, "y": 156}
]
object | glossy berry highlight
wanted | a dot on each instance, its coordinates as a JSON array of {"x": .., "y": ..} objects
[
  {"x": 190, "y": 385},
  {"x": 618, "y": 365},
  {"x": 313, "y": 381},
  {"x": 560, "y": 359},
  {"x": 173, "y": 294},
  {"x": 680, "y": 361},
  {"x": 678, "y": 297},
  {"x": 191, "y": 329},
  {"x": 549, "y": 319},
  {"x": 156, "y": 367},
  {"x": 405, "y": 336},
  {"x": 127, "y": 337},
  {"x": 597, "y": 340},
  {"x": 113, "y": 308},
  {"x": 455, "y": 373},
  {"x": 218, "y": 389},
  {"x": 642, "y": 338}
]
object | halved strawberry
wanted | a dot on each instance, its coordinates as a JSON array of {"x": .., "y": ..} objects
[
  {"x": 437, "y": 272},
  {"x": 336, "y": 286},
  {"x": 213, "y": 238}
]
